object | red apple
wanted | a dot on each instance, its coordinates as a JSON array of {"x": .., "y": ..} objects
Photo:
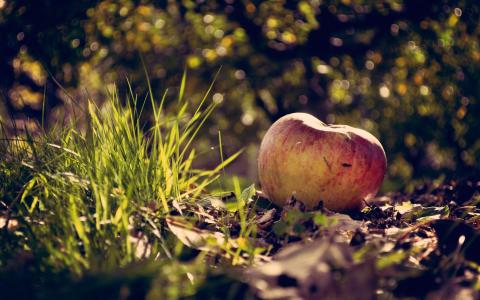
[{"x": 303, "y": 157}]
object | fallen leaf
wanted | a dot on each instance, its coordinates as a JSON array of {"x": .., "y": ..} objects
[
  {"x": 318, "y": 270},
  {"x": 193, "y": 237}
]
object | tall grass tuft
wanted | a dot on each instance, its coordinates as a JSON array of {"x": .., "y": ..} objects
[{"x": 97, "y": 199}]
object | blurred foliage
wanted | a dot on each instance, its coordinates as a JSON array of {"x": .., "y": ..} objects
[{"x": 407, "y": 71}]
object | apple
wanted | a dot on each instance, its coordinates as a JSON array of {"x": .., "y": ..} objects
[{"x": 303, "y": 157}]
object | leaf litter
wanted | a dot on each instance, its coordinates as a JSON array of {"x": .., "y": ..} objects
[{"x": 423, "y": 244}]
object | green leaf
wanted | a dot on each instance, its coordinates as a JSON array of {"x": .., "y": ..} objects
[
  {"x": 321, "y": 220},
  {"x": 391, "y": 259},
  {"x": 280, "y": 228},
  {"x": 248, "y": 193}
]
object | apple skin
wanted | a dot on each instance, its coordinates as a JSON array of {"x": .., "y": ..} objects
[{"x": 303, "y": 157}]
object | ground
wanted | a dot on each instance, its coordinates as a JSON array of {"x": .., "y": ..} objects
[{"x": 118, "y": 212}]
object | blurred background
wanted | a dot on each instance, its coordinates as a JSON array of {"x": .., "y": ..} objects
[{"x": 407, "y": 71}]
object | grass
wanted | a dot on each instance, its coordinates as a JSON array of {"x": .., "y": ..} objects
[{"x": 81, "y": 202}]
